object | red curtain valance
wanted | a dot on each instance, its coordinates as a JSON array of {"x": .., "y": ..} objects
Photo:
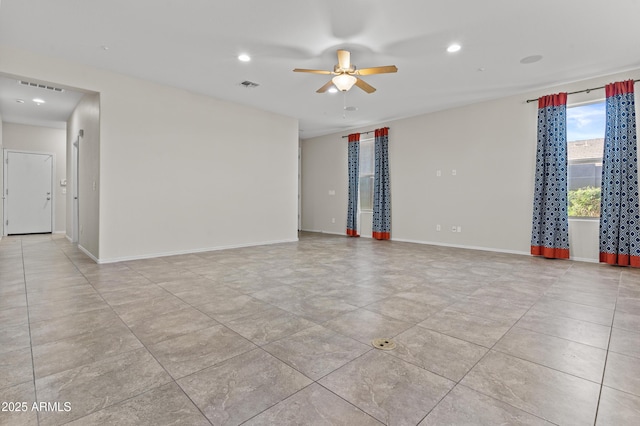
[
  {"x": 382, "y": 132},
  {"x": 552, "y": 100},
  {"x": 619, "y": 88},
  {"x": 354, "y": 137}
]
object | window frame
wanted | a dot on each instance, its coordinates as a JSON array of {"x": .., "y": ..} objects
[
  {"x": 591, "y": 160},
  {"x": 371, "y": 142}
]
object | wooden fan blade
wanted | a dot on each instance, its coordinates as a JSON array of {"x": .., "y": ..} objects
[
  {"x": 377, "y": 70},
  {"x": 313, "y": 71},
  {"x": 344, "y": 59},
  {"x": 325, "y": 87},
  {"x": 365, "y": 86}
]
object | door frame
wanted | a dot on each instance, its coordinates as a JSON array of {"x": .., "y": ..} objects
[
  {"x": 5, "y": 157},
  {"x": 75, "y": 186}
]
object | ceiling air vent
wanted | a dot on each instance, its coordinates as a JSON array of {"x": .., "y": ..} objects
[
  {"x": 249, "y": 84},
  {"x": 40, "y": 86}
]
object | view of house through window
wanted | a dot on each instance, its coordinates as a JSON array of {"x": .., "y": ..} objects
[
  {"x": 367, "y": 158},
  {"x": 585, "y": 144}
]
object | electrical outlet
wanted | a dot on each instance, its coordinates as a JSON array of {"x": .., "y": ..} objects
[
  {"x": 459, "y": 229},
  {"x": 333, "y": 220},
  {"x": 454, "y": 172},
  {"x": 438, "y": 227}
]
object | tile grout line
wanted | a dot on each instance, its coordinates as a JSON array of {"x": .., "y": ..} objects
[
  {"x": 31, "y": 254},
  {"x": 143, "y": 345},
  {"x": 564, "y": 338},
  {"x": 195, "y": 372},
  {"x": 453, "y": 337},
  {"x": 606, "y": 358},
  {"x": 318, "y": 380},
  {"x": 261, "y": 347},
  {"x": 323, "y": 387},
  {"x": 487, "y": 353},
  {"x": 33, "y": 364},
  {"x": 413, "y": 325}
]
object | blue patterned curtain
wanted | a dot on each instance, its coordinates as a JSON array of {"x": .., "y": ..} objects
[
  {"x": 381, "y": 187},
  {"x": 354, "y": 170},
  {"x": 619, "y": 213},
  {"x": 550, "y": 233}
]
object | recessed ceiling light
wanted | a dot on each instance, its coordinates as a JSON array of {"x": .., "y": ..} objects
[
  {"x": 332, "y": 90},
  {"x": 244, "y": 57},
  {"x": 38, "y": 101},
  {"x": 454, "y": 48},
  {"x": 20, "y": 101},
  {"x": 530, "y": 59}
]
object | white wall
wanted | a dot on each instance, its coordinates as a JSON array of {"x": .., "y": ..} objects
[
  {"x": 1, "y": 180},
  {"x": 85, "y": 117},
  {"x": 491, "y": 145},
  {"x": 47, "y": 140},
  {"x": 324, "y": 169},
  {"x": 183, "y": 172},
  {"x": 180, "y": 172}
]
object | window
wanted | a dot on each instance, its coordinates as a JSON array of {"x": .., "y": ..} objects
[
  {"x": 585, "y": 145},
  {"x": 367, "y": 158}
]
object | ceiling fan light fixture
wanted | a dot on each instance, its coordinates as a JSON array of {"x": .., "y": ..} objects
[
  {"x": 346, "y": 74},
  {"x": 344, "y": 82}
]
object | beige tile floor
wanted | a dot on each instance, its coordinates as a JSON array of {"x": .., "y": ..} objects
[{"x": 281, "y": 335}]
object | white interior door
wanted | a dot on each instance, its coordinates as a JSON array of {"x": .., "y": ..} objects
[{"x": 28, "y": 193}]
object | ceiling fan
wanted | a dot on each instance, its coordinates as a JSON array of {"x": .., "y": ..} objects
[{"x": 346, "y": 74}]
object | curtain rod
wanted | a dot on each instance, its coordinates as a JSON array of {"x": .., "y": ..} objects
[
  {"x": 366, "y": 133},
  {"x": 578, "y": 91}
]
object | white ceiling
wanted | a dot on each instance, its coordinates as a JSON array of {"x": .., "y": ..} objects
[
  {"x": 194, "y": 44},
  {"x": 53, "y": 112}
]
